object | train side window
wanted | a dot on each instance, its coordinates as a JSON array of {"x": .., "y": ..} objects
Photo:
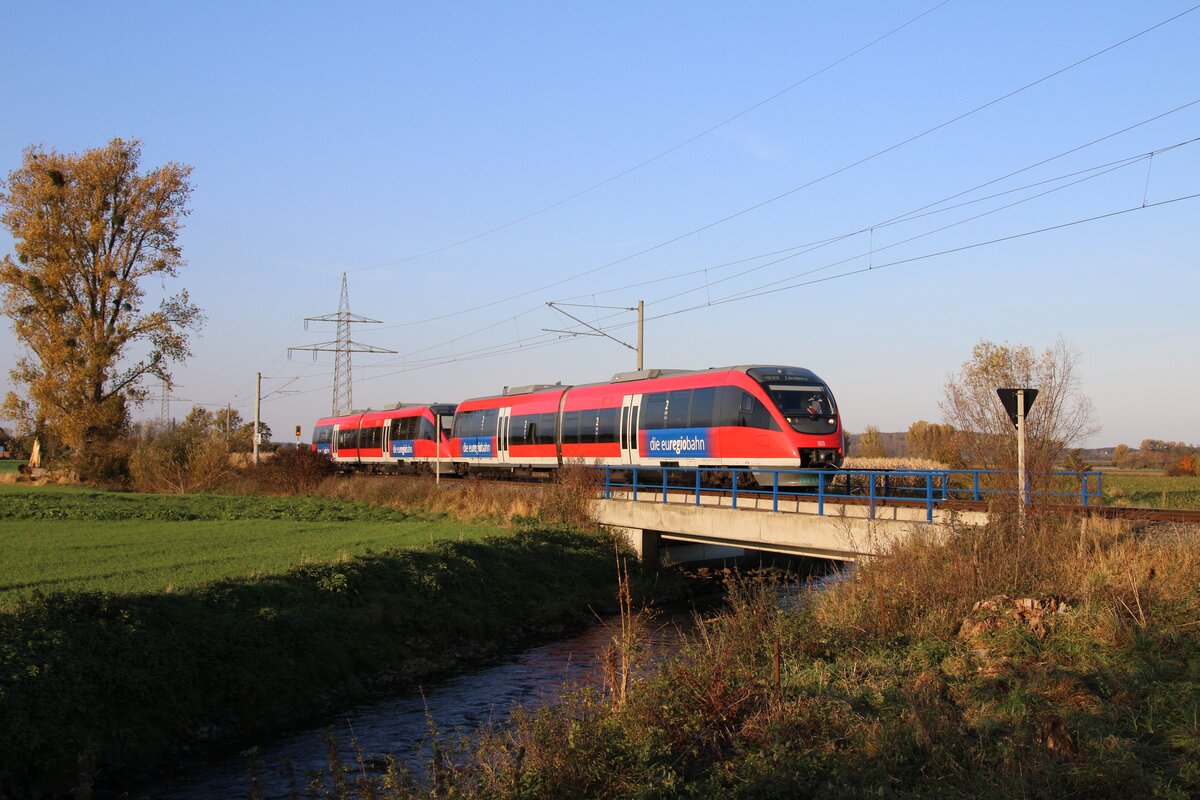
[
  {"x": 655, "y": 406},
  {"x": 570, "y": 431},
  {"x": 679, "y": 405},
  {"x": 370, "y": 437},
  {"x": 753, "y": 414},
  {"x": 703, "y": 401},
  {"x": 546, "y": 429},
  {"x": 423, "y": 429},
  {"x": 606, "y": 425},
  {"x": 587, "y": 426}
]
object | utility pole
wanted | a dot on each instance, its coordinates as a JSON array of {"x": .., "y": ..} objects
[
  {"x": 257, "y": 408},
  {"x": 641, "y": 312},
  {"x": 342, "y": 347},
  {"x": 641, "y": 331}
]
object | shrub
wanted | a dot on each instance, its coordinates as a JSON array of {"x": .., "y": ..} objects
[
  {"x": 1188, "y": 465},
  {"x": 293, "y": 469},
  {"x": 179, "y": 461},
  {"x": 569, "y": 499}
]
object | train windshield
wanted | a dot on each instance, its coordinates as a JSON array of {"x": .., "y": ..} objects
[{"x": 801, "y": 396}]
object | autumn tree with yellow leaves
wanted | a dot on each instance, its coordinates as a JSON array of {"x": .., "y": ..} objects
[
  {"x": 91, "y": 232},
  {"x": 1061, "y": 417}
]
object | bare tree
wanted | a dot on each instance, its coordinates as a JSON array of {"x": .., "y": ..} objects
[{"x": 1061, "y": 417}]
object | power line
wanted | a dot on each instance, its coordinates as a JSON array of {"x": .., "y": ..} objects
[
  {"x": 820, "y": 179},
  {"x": 504, "y": 349},
  {"x": 919, "y": 212},
  {"x": 661, "y": 154},
  {"x": 949, "y": 251},
  {"x": 926, "y": 210}
]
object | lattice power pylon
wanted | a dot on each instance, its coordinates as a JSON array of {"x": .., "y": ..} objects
[{"x": 343, "y": 393}]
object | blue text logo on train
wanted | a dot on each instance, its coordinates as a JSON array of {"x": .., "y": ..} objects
[
  {"x": 678, "y": 442},
  {"x": 477, "y": 447},
  {"x": 402, "y": 448}
]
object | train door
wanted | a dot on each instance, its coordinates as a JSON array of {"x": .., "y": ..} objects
[
  {"x": 502, "y": 435},
  {"x": 333, "y": 442},
  {"x": 629, "y": 428}
]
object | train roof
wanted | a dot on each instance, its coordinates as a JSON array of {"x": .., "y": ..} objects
[
  {"x": 403, "y": 407},
  {"x": 642, "y": 375},
  {"x": 650, "y": 374}
]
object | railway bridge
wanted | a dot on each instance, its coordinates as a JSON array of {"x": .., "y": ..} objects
[{"x": 843, "y": 515}]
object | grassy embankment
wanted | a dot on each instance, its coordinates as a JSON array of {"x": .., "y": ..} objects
[
  {"x": 134, "y": 625},
  {"x": 1053, "y": 663}
]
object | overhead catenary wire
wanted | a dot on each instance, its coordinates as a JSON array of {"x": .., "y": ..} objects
[
  {"x": 926, "y": 210},
  {"x": 915, "y": 213},
  {"x": 504, "y": 349},
  {"x": 662, "y": 153},
  {"x": 819, "y": 179}
]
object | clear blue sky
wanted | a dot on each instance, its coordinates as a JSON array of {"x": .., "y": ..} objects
[{"x": 391, "y": 141}]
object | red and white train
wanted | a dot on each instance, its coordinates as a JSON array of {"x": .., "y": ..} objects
[
  {"x": 391, "y": 440},
  {"x": 763, "y": 418}
]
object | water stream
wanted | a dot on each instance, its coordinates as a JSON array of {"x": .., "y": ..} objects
[{"x": 398, "y": 726}]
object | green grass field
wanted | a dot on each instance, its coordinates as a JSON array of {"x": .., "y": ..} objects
[
  {"x": 9, "y": 465},
  {"x": 68, "y": 538},
  {"x": 1151, "y": 491}
]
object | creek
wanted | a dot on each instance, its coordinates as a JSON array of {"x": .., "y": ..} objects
[{"x": 399, "y": 726}]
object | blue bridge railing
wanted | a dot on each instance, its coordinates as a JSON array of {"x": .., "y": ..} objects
[{"x": 932, "y": 488}]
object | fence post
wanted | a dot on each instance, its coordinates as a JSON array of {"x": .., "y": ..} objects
[
  {"x": 871, "y": 494},
  {"x": 635, "y": 483},
  {"x": 775, "y": 493},
  {"x": 821, "y": 493},
  {"x": 608, "y": 483},
  {"x": 1083, "y": 489},
  {"x": 735, "y": 477},
  {"x": 664, "y": 485},
  {"x": 697, "y": 486},
  {"x": 929, "y": 497}
]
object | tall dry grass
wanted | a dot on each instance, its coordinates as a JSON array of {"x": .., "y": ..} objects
[
  {"x": 564, "y": 501},
  {"x": 1115, "y": 574}
]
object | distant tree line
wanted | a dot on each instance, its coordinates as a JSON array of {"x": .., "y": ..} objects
[{"x": 1177, "y": 458}]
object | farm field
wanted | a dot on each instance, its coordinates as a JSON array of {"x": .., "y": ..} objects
[
  {"x": 72, "y": 539},
  {"x": 1151, "y": 490}
]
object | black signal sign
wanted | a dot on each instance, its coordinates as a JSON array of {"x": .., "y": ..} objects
[{"x": 1009, "y": 398}]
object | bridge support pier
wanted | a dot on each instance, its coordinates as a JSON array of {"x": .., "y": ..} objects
[{"x": 644, "y": 542}]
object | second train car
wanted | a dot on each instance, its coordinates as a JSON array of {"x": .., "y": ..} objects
[{"x": 403, "y": 438}]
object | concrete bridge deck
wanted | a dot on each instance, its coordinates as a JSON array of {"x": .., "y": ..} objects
[{"x": 801, "y": 526}]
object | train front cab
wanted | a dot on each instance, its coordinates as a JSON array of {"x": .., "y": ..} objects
[{"x": 744, "y": 417}]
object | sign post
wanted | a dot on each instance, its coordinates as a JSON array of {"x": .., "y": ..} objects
[
  {"x": 437, "y": 450},
  {"x": 1017, "y": 403}
]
